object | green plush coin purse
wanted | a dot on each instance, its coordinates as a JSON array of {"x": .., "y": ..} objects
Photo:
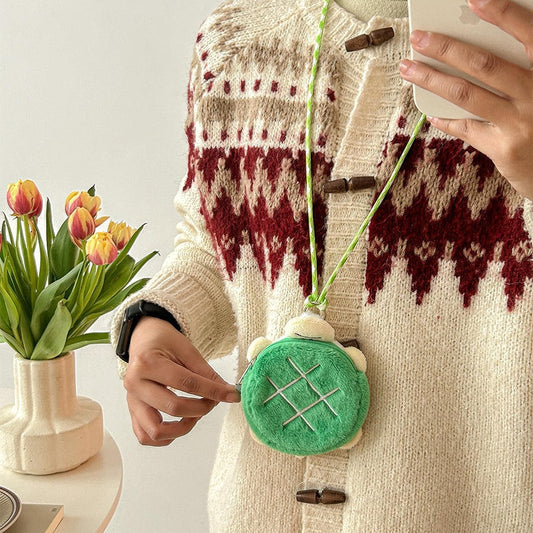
[{"x": 305, "y": 394}]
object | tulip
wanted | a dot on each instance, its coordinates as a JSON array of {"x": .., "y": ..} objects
[
  {"x": 81, "y": 225},
  {"x": 100, "y": 248},
  {"x": 24, "y": 198},
  {"x": 121, "y": 233},
  {"x": 82, "y": 199}
]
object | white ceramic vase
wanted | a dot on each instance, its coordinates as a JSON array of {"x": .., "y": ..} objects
[{"x": 49, "y": 429}]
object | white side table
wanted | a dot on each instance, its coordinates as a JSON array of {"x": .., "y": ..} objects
[{"x": 90, "y": 493}]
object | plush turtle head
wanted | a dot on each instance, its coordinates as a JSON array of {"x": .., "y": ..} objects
[{"x": 310, "y": 326}]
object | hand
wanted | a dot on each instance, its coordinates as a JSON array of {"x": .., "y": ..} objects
[
  {"x": 161, "y": 357},
  {"x": 507, "y": 138}
]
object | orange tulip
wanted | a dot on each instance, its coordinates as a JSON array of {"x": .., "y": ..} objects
[
  {"x": 81, "y": 225},
  {"x": 24, "y": 198},
  {"x": 82, "y": 199},
  {"x": 121, "y": 233},
  {"x": 100, "y": 248}
]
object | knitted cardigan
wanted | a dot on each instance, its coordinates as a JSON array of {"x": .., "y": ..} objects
[{"x": 439, "y": 295}]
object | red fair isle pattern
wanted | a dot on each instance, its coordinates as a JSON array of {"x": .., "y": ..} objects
[
  {"x": 256, "y": 196},
  {"x": 436, "y": 214}
]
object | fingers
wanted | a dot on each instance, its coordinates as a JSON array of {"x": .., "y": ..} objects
[
  {"x": 512, "y": 18},
  {"x": 166, "y": 401},
  {"x": 473, "y": 132},
  {"x": 191, "y": 358},
  {"x": 480, "y": 64},
  {"x": 166, "y": 372},
  {"x": 469, "y": 96},
  {"x": 149, "y": 427}
]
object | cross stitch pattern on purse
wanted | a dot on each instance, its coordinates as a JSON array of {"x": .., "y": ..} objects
[{"x": 305, "y": 394}]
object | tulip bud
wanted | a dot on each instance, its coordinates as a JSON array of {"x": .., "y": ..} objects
[
  {"x": 101, "y": 249},
  {"x": 81, "y": 225},
  {"x": 24, "y": 198},
  {"x": 121, "y": 233},
  {"x": 82, "y": 199}
]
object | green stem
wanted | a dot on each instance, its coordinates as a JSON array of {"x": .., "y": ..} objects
[{"x": 30, "y": 258}]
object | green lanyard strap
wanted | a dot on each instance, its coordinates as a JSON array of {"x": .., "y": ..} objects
[{"x": 316, "y": 300}]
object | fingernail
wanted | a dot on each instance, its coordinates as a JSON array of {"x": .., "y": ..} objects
[
  {"x": 233, "y": 397},
  {"x": 420, "y": 39},
  {"x": 478, "y": 3},
  {"x": 406, "y": 66}
]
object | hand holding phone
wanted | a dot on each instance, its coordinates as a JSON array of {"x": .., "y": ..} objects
[
  {"x": 501, "y": 90},
  {"x": 455, "y": 19}
]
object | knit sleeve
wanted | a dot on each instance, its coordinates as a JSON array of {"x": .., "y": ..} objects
[{"x": 189, "y": 284}]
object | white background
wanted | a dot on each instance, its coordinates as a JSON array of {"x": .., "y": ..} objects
[{"x": 94, "y": 92}]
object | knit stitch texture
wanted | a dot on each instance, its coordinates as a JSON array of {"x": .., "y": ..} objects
[{"x": 439, "y": 295}]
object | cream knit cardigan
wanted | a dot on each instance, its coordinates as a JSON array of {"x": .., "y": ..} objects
[{"x": 440, "y": 298}]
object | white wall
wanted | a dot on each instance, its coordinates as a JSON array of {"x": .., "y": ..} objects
[{"x": 94, "y": 92}]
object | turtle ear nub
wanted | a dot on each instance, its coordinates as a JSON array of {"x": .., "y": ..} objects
[
  {"x": 310, "y": 326},
  {"x": 358, "y": 358},
  {"x": 256, "y": 347}
]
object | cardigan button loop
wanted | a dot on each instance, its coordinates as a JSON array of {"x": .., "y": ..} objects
[
  {"x": 357, "y": 183},
  {"x": 325, "y": 496},
  {"x": 374, "y": 38}
]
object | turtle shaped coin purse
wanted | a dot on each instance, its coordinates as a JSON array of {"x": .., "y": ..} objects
[{"x": 305, "y": 394}]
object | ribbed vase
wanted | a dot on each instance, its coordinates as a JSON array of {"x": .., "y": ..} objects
[{"x": 49, "y": 429}]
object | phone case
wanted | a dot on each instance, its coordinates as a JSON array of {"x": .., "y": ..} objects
[{"x": 454, "y": 18}]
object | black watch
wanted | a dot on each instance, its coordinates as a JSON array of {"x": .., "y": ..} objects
[{"x": 132, "y": 315}]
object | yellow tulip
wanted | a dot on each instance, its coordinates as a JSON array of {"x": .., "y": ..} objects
[
  {"x": 81, "y": 225},
  {"x": 101, "y": 249},
  {"x": 24, "y": 198},
  {"x": 121, "y": 233},
  {"x": 82, "y": 199}
]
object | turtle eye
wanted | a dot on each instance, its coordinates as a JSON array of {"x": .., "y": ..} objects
[{"x": 307, "y": 337}]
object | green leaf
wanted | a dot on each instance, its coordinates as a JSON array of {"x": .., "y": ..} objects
[
  {"x": 89, "y": 290},
  {"x": 52, "y": 342},
  {"x": 92, "y": 191},
  {"x": 96, "y": 289},
  {"x": 9, "y": 232},
  {"x": 27, "y": 338},
  {"x": 143, "y": 261},
  {"x": 14, "y": 275},
  {"x": 48, "y": 299},
  {"x": 124, "y": 252},
  {"x": 50, "y": 233},
  {"x": 121, "y": 296},
  {"x": 63, "y": 253},
  {"x": 72, "y": 298},
  {"x": 43, "y": 265},
  {"x": 13, "y": 343},
  {"x": 84, "y": 340},
  {"x": 11, "y": 308},
  {"x": 117, "y": 277}
]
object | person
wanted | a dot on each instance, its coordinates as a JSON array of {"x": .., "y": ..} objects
[{"x": 439, "y": 297}]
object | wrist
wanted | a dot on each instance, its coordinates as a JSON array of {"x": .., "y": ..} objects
[{"x": 132, "y": 317}]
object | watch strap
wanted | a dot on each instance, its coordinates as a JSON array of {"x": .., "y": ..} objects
[{"x": 132, "y": 315}]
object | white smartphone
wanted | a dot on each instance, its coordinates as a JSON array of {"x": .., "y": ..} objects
[{"x": 454, "y": 18}]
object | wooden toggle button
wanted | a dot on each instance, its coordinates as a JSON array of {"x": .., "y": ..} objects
[
  {"x": 325, "y": 497},
  {"x": 374, "y": 38},
  {"x": 350, "y": 343},
  {"x": 353, "y": 184}
]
